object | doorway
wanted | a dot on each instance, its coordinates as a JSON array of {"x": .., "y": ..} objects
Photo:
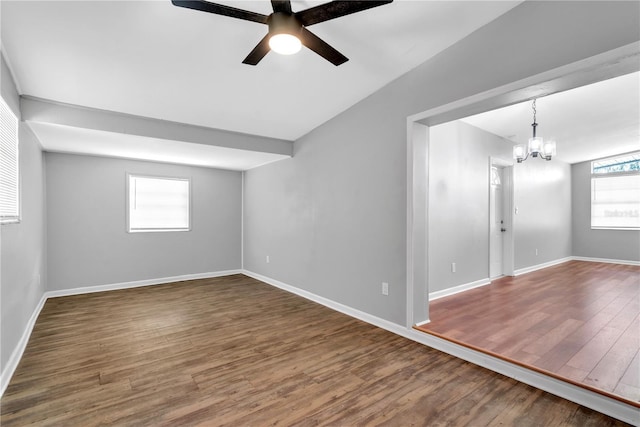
[
  {"x": 604, "y": 66},
  {"x": 500, "y": 219}
]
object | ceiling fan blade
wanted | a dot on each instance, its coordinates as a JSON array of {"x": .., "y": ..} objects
[
  {"x": 281, "y": 6},
  {"x": 258, "y": 52},
  {"x": 220, "y": 9},
  {"x": 321, "y": 47},
  {"x": 335, "y": 9}
]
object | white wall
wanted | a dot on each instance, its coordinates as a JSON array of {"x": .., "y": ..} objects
[
  {"x": 605, "y": 244},
  {"x": 459, "y": 202},
  {"x": 87, "y": 242},
  {"x": 333, "y": 218},
  {"x": 22, "y": 247}
]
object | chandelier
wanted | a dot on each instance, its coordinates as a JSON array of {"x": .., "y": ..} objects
[{"x": 537, "y": 146}]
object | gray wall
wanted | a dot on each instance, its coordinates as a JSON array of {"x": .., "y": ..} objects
[
  {"x": 22, "y": 255},
  {"x": 459, "y": 202},
  {"x": 606, "y": 244},
  {"x": 333, "y": 218},
  {"x": 543, "y": 199},
  {"x": 87, "y": 244}
]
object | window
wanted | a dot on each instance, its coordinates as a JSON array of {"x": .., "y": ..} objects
[
  {"x": 158, "y": 204},
  {"x": 615, "y": 192},
  {"x": 9, "y": 174}
]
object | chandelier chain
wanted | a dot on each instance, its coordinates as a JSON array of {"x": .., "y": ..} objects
[{"x": 533, "y": 106}]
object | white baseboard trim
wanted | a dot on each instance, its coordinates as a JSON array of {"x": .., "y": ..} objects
[
  {"x": 483, "y": 282},
  {"x": 345, "y": 309},
  {"x": 606, "y": 260},
  {"x": 16, "y": 355},
  {"x": 532, "y": 268},
  {"x": 424, "y": 322},
  {"x": 460, "y": 288},
  {"x": 18, "y": 351},
  {"x": 139, "y": 283},
  {"x": 604, "y": 404}
]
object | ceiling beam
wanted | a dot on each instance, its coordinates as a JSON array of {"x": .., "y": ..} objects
[{"x": 51, "y": 112}]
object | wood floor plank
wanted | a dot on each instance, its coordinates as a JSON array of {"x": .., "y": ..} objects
[
  {"x": 618, "y": 360},
  {"x": 593, "y": 352},
  {"x": 234, "y": 351}
]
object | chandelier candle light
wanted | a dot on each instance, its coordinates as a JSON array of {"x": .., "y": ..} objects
[{"x": 537, "y": 146}]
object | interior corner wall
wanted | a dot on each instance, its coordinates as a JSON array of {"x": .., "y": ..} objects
[
  {"x": 621, "y": 245},
  {"x": 87, "y": 241},
  {"x": 542, "y": 217},
  {"x": 333, "y": 218},
  {"x": 459, "y": 202},
  {"x": 22, "y": 245}
]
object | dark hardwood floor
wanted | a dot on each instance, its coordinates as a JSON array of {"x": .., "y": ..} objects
[
  {"x": 579, "y": 321},
  {"x": 236, "y": 351}
]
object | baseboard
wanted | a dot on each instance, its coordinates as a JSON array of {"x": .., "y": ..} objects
[
  {"x": 606, "y": 260},
  {"x": 598, "y": 402},
  {"x": 483, "y": 282},
  {"x": 18, "y": 351},
  {"x": 138, "y": 283},
  {"x": 532, "y": 268},
  {"x": 424, "y": 322},
  {"x": 456, "y": 289},
  {"x": 345, "y": 309}
]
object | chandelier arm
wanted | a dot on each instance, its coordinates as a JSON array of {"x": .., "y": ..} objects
[{"x": 523, "y": 159}]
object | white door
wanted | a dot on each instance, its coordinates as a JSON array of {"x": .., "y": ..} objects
[{"x": 497, "y": 226}]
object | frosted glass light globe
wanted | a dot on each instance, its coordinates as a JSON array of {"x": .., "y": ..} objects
[{"x": 285, "y": 44}]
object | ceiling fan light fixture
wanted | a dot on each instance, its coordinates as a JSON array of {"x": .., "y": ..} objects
[
  {"x": 285, "y": 44},
  {"x": 287, "y": 29},
  {"x": 284, "y": 30}
]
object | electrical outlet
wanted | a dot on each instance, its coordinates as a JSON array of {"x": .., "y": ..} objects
[
  {"x": 385, "y": 288},
  {"x": 536, "y": 252},
  {"x": 267, "y": 259},
  {"x": 453, "y": 267}
]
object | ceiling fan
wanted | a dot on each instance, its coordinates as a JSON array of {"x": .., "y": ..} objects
[{"x": 287, "y": 29}]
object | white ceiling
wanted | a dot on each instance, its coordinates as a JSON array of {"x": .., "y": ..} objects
[
  {"x": 589, "y": 122},
  {"x": 152, "y": 59}
]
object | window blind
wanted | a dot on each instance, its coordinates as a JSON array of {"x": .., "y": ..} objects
[
  {"x": 615, "y": 202},
  {"x": 158, "y": 204},
  {"x": 615, "y": 192},
  {"x": 9, "y": 174}
]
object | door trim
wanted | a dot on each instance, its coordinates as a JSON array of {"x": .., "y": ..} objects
[{"x": 508, "y": 191}]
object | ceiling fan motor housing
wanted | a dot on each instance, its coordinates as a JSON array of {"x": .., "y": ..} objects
[{"x": 283, "y": 23}]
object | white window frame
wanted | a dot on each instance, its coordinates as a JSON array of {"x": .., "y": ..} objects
[
  {"x": 157, "y": 229},
  {"x": 604, "y": 176},
  {"x": 10, "y": 184}
]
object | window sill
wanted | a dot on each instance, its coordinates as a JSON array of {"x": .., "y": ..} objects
[{"x": 10, "y": 221}]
